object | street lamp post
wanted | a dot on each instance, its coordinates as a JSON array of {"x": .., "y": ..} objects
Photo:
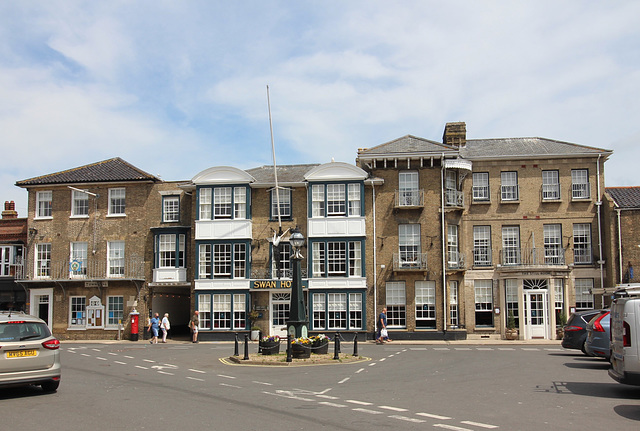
[{"x": 297, "y": 323}]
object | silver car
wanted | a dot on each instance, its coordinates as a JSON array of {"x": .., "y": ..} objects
[
  {"x": 598, "y": 337},
  {"x": 29, "y": 354}
]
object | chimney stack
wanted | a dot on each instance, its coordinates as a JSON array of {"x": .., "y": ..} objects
[
  {"x": 9, "y": 210},
  {"x": 455, "y": 134}
]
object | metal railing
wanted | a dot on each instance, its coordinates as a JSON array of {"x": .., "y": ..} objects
[
  {"x": 548, "y": 256},
  {"x": 272, "y": 274},
  {"x": 409, "y": 198},
  {"x": 410, "y": 261},
  {"x": 455, "y": 260},
  {"x": 132, "y": 267},
  {"x": 454, "y": 198}
]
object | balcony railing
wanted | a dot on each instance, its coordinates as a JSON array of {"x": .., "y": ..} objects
[
  {"x": 132, "y": 267},
  {"x": 455, "y": 260},
  {"x": 548, "y": 256},
  {"x": 482, "y": 256},
  {"x": 454, "y": 198},
  {"x": 269, "y": 274},
  {"x": 409, "y": 198},
  {"x": 410, "y": 261}
]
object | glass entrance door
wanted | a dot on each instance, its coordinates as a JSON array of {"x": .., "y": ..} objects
[
  {"x": 280, "y": 303},
  {"x": 536, "y": 310}
]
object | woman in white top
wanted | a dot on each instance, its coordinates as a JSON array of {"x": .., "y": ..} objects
[{"x": 165, "y": 325}]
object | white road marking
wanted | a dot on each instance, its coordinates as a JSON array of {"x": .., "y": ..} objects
[
  {"x": 72, "y": 351},
  {"x": 451, "y": 427},
  {"x": 506, "y": 348},
  {"x": 484, "y": 348},
  {"x": 195, "y": 378},
  {"x": 406, "y": 419},
  {"x": 383, "y": 359},
  {"x": 129, "y": 357},
  {"x": 362, "y": 403},
  {"x": 84, "y": 354},
  {"x": 226, "y": 377},
  {"x": 141, "y": 367},
  {"x": 478, "y": 424},
  {"x": 441, "y": 348},
  {"x": 197, "y": 371},
  {"x": 372, "y": 364},
  {"x": 112, "y": 354},
  {"x": 149, "y": 360},
  {"x": 327, "y": 403},
  {"x": 121, "y": 363},
  {"x": 418, "y": 348},
  {"x": 360, "y": 370},
  {"x": 230, "y": 386},
  {"x": 329, "y": 397},
  {"x": 429, "y": 415},
  {"x": 464, "y": 348},
  {"x": 371, "y": 412},
  {"x": 288, "y": 395},
  {"x": 344, "y": 380},
  {"x": 96, "y": 350},
  {"x": 164, "y": 372},
  {"x": 262, "y": 383},
  {"x": 530, "y": 349},
  {"x": 395, "y": 409},
  {"x": 102, "y": 359},
  {"x": 554, "y": 350}
]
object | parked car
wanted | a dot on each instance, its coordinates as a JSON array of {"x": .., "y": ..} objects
[
  {"x": 29, "y": 354},
  {"x": 575, "y": 332},
  {"x": 625, "y": 338},
  {"x": 598, "y": 333}
]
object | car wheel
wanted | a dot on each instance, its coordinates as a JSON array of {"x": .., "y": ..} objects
[{"x": 50, "y": 386}]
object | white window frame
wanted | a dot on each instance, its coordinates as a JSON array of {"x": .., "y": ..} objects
[
  {"x": 425, "y": 292},
  {"x": 239, "y": 203},
  {"x": 284, "y": 194},
  {"x": 42, "y": 265},
  {"x": 483, "y": 299},
  {"x": 509, "y": 186},
  {"x": 222, "y": 203},
  {"x": 337, "y": 315},
  {"x": 79, "y": 204},
  {"x": 553, "y": 253},
  {"x": 453, "y": 303},
  {"x": 582, "y": 252},
  {"x": 78, "y": 304},
  {"x": 481, "y": 191},
  {"x": 353, "y": 200},
  {"x": 319, "y": 311},
  {"x": 409, "y": 188},
  {"x": 336, "y": 200},
  {"x": 409, "y": 247},
  {"x": 511, "y": 253},
  {"x": 511, "y": 299},
  {"x": 239, "y": 319},
  {"x": 204, "y": 202},
  {"x": 115, "y": 259},
  {"x": 396, "y": 302},
  {"x": 580, "y": 187},
  {"x": 115, "y": 311},
  {"x": 317, "y": 200},
  {"x": 453, "y": 251},
  {"x": 482, "y": 246},
  {"x": 170, "y": 209},
  {"x": 167, "y": 253},
  {"x": 355, "y": 311},
  {"x": 79, "y": 252},
  {"x": 117, "y": 202},
  {"x": 44, "y": 205},
  {"x": 204, "y": 311},
  {"x": 205, "y": 263},
  {"x": 550, "y": 185},
  {"x": 584, "y": 297},
  {"x": 221, "y": 317},
  {"x": 355, "y": 258}
]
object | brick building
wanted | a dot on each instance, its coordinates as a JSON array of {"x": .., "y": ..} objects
[
  {"x": 623, "y": 226},
  {"x": 13, "y": 240},
  {"x": 93, "y": 236}
]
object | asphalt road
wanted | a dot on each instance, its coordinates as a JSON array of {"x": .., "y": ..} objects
[{"x": 138, "y": 386}]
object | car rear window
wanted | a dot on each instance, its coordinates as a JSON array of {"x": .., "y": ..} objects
[{"x": 22, "y": 330}]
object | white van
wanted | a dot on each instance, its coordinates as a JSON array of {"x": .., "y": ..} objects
[{"x": 625, "y": 336}]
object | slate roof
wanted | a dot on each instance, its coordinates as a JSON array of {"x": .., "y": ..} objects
[
  {"x": 111, "y": 170},
  {"x": 526, "y": 147},
  {"x": 625, "y": 197},
  {"x": 287, "y": 174},
  {"x": 404, "y": 145}
]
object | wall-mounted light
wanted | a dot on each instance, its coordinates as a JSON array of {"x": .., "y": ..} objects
[{"x": 33, "y": 231}]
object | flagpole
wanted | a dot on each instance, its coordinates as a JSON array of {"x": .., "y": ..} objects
[{"x": 275, "y": 171}]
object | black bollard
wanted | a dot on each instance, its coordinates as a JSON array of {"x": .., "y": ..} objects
[
  {"x": 289, "y": 348},
  {"x": 355, "y": 345},
  {"x": 235, "y": 347},
  {"x": 246, "y": 347},
  {"x": 336, "y": 346}
]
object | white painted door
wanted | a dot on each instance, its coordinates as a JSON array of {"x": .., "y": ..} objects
[
  {"x": 41, "y": 301},
  {"x": 279, "y": 313},
  {"x": 537, "y": 312}
]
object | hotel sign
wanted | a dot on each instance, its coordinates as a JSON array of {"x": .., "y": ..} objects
[{"x": 276, "y": 284}]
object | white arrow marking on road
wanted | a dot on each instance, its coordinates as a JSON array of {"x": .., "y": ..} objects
[
  {"x": 112, "y": 354},
  {"x": 329, "y": 397},
  {"x": 84, "y": 354},
  {"x": 161, "y": 367}
]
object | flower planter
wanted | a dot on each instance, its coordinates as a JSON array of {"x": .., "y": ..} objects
[
  {"x": 270, "y": 347},
  {"x": 320, "y": 348},
  {"x": 511, "y": 334},
  {"x": 298, "y": 351}
]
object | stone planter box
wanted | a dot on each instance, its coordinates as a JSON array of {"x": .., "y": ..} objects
[
  {"x": 511, "y": 334},
  {"x": 270, "y": 348}
]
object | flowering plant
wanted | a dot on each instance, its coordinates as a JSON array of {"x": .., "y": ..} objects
[
  {"x": 270, "y": 339},
  {"x": 320, "y": 339},
  {"x": 303, "y": 341}
]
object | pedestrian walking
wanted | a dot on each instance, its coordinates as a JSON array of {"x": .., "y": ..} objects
[
  {"x": 165, "y": 325},
  {"x": 193, "y": 324},
  {"x": 382, "y": 335},
  {"x": 154, "y": 327}
]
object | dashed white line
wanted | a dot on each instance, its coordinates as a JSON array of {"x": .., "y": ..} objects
[
  {"x": 406, "y": 419},
  {"x": 170, "y": 365},
  {"x": 230, "y": 386},
  {"x": 149, "y": 360},
  {"x": 84, "y": 354},
  {"x": 96, "y": 350},
  {"x": 120, "y": 362},
  {"x": 262, "y": 383},
  {"x": 506, "y": 348},
  {"x": 530, "y": 349},
  {"x": 429, "y": 415},
  {"x": 291, "y": 397},
  {"x": 485, "y": 348},
  {"x": 360, "y": 370},
  {"x": 383, "y": 359},
  {"x": 441, "y": 348},
  {"x": 226, "y": 377},
  {"x": 371, "y": 412},
  {"x": 329, "y": 397},
  {"x": 478, "y": 424},
  {"x": 419, "y": 348},
  {"x": 395, "y": 409},
  {"x": 141, "y": 367},
  {"x": 343, "y": 380},
  {"x": 362, "y": 403},
  {"x": 372, "y": 364},
  {"x": 327, "y": 403},
  {"x": 102, "y": 359},
  {"x": 197, "y": 371},
  {"x": 195, "y": 378},
  {"x": 451, "y": 427},
  {"x": 164, "y": 372},
  {"x": 129, "y": 357},
  {"x": 464, "y": 348},
  {"x": 112, "y": 354}
]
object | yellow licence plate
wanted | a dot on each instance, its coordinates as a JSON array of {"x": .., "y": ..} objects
[{"x": 20, "y": 353}]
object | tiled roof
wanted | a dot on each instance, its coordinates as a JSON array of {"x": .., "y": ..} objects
[
  {"x": 112, "y": 170},
  {"x": 625, "y": 197},
  {"x": 404, "y": 145},
  {"x": 525, "y": 147},
  {"x": 286, "y": 173}
]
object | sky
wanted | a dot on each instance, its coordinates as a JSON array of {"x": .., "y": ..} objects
[{"x": 176, "y": 87}]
